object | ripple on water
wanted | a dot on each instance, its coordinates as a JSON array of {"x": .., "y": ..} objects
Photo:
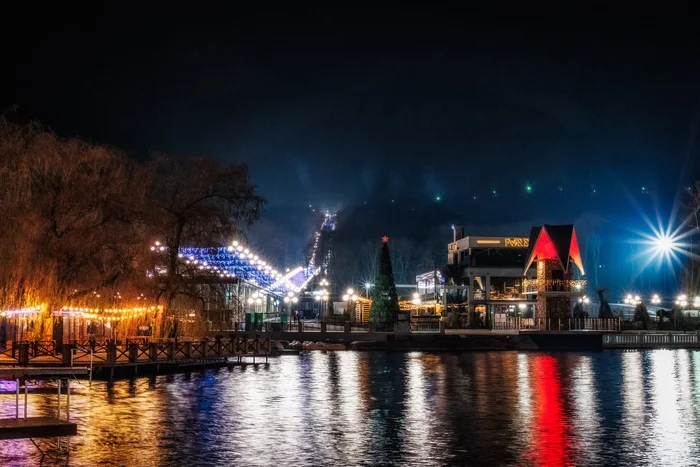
[{"x": 374, "y": 408}]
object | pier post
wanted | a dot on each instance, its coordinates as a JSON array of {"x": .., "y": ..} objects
[
  {"x": 188, "y": 349},
  {"x": 170, "y": 349},
  {"x": 153, "y": 351},
  {"x": 346, "y": 327},
  {"x": 218, "y": 346},
  {"x": 323, "y": 326},
  {"x": 23, "y": 353},
  {"x": 111, "y": 352},
  {"x": 67, "y": 354},
  {"x": 133, "y": 352}
]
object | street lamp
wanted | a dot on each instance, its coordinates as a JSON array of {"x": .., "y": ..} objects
[
  {"x": 584, "y": 300},
  {"x": 368, "y": 287},
  {"x": 682, "y": 300},
  {"x": 633, "y": 299},
  {"x": 350, "y": 297},
  {"x": 655, "y": 299}
]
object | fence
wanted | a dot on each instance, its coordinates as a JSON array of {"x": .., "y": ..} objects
[
  {"x": 140, "y": 350},
  {"x": 557, "y": 324},
  {"x": 651, "y": 340}
]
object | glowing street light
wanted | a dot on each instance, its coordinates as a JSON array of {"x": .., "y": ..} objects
[
  {"x": 416, "y": 299},
  {"x": 584, "y": 300},
  {"x": 633, "y": 299},
  {"x": 655, "y": 299},
  {"x": 368, "y": 287},
  {"x": 682, "y": 300}
]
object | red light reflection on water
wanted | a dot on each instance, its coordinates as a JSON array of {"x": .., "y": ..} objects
[{"x": 551, "y": 440}]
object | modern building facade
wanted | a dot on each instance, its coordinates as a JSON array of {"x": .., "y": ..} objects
[{"x": 490, "y": 280}]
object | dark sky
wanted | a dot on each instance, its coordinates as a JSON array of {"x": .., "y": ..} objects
[{"x": 339, "y": 106}]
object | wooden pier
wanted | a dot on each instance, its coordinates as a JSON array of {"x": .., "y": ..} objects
[
  {"x": 39, "y": 427},
  {"x": 135, "y": 355}
]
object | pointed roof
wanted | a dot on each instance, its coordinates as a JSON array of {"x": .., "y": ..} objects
[{"x": 554, "y": 242}]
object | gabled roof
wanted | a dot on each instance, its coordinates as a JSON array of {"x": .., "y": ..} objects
[{"x": 554, "y": 242}]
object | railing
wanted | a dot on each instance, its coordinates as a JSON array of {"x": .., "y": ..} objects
[
  {"x": 425, "y": 326},
  {"x": 557, "y": 324},
  {"x": 640, "y": 340},
  {"x": 555, "y": 285},
  {"x": 111, "y": 352}
]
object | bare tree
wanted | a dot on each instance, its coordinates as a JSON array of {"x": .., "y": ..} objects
[{"x": 196, "y": 201}]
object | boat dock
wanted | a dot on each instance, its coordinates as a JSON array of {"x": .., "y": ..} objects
[{"x": 39, "y": 427}]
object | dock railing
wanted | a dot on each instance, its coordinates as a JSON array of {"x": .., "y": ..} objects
[
  {"x": 652, "y": 340},
  {"x": 558, "y": 324}
]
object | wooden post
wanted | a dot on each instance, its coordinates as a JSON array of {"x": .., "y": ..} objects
[
  {"x": 218, "y": 346},
  {"x": 153, "y": 351},
  {"x": 23, "y": 354},
  {"x": 111, "y": 352},
  {"x": 188, "y": 349},
  {"x": 170, "y": 349},
  {"x": 133, "y": 352},
  {"x": 66, "y": 354}
]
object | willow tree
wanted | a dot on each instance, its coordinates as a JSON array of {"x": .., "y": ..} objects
[
  {"x": 195, "y": 202},
  {"x": 71, "y": 225}
]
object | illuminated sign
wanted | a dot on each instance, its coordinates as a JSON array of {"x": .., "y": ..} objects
[{"x": 518, "y": 242}]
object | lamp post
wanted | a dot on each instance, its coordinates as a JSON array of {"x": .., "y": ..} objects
[
  {"x": 416, "y": 301},
  {"x": 350, "y": 297}
]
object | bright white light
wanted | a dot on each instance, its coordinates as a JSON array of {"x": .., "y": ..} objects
[
  {"x": 286, "y": 299},
  {"x": 295, "y": 299},
  {"x": 416, "y": 295},
  {"x": 522, "y": 306},
  {"x": 368, "y": 285},
  {"x": 230, "y": 248},
  {"x": 655, "y": 299},
  {"x": 665, "y": 244},
  {"x": 350, "y": 291},
  {"x": 354, "y": 297},
  {"x": 235, "y": 243},
  {"x": 346, "y": 297},
  {"x": 290, "y": 294}
]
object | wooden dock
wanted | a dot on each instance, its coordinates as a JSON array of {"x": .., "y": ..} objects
[
  {"x": 133, "y": 356},
  {"x": 36, "y": 427},
  {"x": 39, "y": 427}
]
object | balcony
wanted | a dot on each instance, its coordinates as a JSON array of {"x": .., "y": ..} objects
[{"x": 555, "y": 285}]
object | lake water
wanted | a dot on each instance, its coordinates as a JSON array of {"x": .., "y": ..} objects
[{"x": 374, "y": 408}]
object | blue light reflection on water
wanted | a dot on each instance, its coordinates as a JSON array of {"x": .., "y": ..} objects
[{"x": 375, "y": 408}]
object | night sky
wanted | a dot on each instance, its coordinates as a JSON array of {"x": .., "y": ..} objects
[{"x": 330, "y": 107}]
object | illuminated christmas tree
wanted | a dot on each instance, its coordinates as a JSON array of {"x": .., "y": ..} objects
[{"x": 385, "y": 301}]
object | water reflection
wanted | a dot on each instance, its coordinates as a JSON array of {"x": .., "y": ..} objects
[{"x": 354, "y": 408}]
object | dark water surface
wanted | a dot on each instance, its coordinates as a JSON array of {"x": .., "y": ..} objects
[{"x": 374, "y": 408}]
